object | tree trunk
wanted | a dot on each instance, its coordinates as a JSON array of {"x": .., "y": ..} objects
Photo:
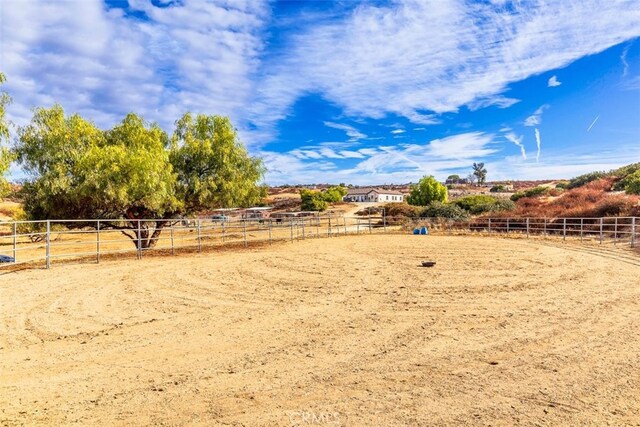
[{"x": 147, "y": 237}]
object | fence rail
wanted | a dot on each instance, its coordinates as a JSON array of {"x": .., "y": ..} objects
[{"x": 42, "y": 243}]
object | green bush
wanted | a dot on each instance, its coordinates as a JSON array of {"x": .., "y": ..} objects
[
  {"x": 497, "y": 188},
  {"x": 334, "y": 194},
  {"x": 480, "y": 204},
  {"x": 426, "y": 191},
  {"x": 444, "y": 210},
  {"x": 312, "y": 200},
  {"x": 632, "y": 183},
  {"x": 503, "y": 205},
  {"x": 531, "y": 192},
  {"x": 401, "y": 210},
  {"x": 581, "y": 180}
]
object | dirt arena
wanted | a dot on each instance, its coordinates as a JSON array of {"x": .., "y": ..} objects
[{"x": 332, "y": 331}]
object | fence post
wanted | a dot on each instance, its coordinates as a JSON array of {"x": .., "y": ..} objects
[
  {"x": 633, "y": 232},
  {"x": 139, "y": 234},
  {"x": 303, "y": 232},
  {"x": 199, "y": 237},
  {"x": 270, "y": 225},
  {"x": 564, "y": 229},
  {"x": 329, "y": 229},
  {"x": 318, "y": 226},
  {"x": 292, "y": 229},
  {"x": 223, "y": 229},
  {"x": 527, "y": 227},
  {"x": 173, "y": 250},
  {"x": 244, "y": 227},
  {"x": 384, "y": 220},
  {"x": 370, "y": 231},
  {"x": 15, "y": 242},
  {"x": 581, "y": 227},
  {"x": 545, "y": 227},
  {"x": 489, "y": 225},
  {"x": 507, "y": 225},
  {"x": 600, "y": 230},
  {"x": 615, "y": 231},
  {"x": 357, "y": 226},
  {"x": 48, "y": 245},
  {"x": 98, "y": 242}
]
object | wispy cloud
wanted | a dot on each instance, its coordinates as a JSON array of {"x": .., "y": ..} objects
[
  {"x": 352, "y": 133},
  {"x": 474, "y": 52},
  {"x": 517, "y": 140},
  {"x": 101, "y": 62},
  {"x": 553, "y": 82},
  {"x": 593, "y": 123},
  {"x": 536, "y": 118},
  {"x": 404, "y": 163},
  {"x": 623, "y": 59},
  {"x": 499, "y": 101},
  {"x": 538, "y": 144},
  {"x": 398, "y": 131}
]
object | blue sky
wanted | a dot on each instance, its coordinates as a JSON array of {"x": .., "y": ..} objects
[{"x": 369, "y": 92}]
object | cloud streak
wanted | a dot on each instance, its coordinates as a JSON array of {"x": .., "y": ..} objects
[
  {"x": 593, "y": 123},
  {"x": 517, "y": 141}
]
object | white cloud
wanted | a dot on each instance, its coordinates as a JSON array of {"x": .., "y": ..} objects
[
  {"x": 538, "y": 144},
  {"x": 194, "y": 56},
  {"x": 517, "y": 140},
  {"x": 418, "y": 58},
  {"x": 499, "y": 101},
  {"x": 470, "y": 145},
  {"x": 352, "y": 133},
  {"x": 351, "y": 154},
  {"x": 553, "y": 82},
  {"x": 536, "y": 118},
  {"x": 398, "y": 131},
  {"x": 405, "y": 163},
  {"x": 329, "y": 153}
]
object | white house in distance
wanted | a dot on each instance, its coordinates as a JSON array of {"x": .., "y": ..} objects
[{"x": 373, "y": 195}]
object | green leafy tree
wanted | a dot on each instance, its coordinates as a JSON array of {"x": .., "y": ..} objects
[
  {"x": 124, "y": 174},
  {"x": 453, "y": 178},
  {"x": 480, "y": 172},
  {"x": 312, "y": 200},
  {"x": 6, "y": 156},
  {"x": 213, "y": 168},
  {"x": 426, "y": 191},
  {"x": 334, "y": 194}
]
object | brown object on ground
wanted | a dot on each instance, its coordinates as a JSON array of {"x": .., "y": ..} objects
[
  {"x": 428, "y": 263},
  {"x": 344, "y": 329}
]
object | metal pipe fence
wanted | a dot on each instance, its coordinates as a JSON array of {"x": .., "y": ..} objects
[{"x": 43, "y": 243}]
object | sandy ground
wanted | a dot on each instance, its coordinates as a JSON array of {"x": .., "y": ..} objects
[{"x": 341, "y": 331}]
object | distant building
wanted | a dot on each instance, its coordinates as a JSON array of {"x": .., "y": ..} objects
[{"x": 373, "y": 195}]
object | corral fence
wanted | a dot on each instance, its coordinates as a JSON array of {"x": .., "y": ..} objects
[{"x": 42, "y": 243}]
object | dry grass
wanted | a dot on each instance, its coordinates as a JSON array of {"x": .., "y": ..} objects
[
  {"x": 8, "y": 210},
  {"x": 592, "y": 200},
  {"x": 499, "y": 332}
]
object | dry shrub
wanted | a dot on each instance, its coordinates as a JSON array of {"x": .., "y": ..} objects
[
  {"x": 590, "y": 200},
  {"x": 614, "y": 205}
]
